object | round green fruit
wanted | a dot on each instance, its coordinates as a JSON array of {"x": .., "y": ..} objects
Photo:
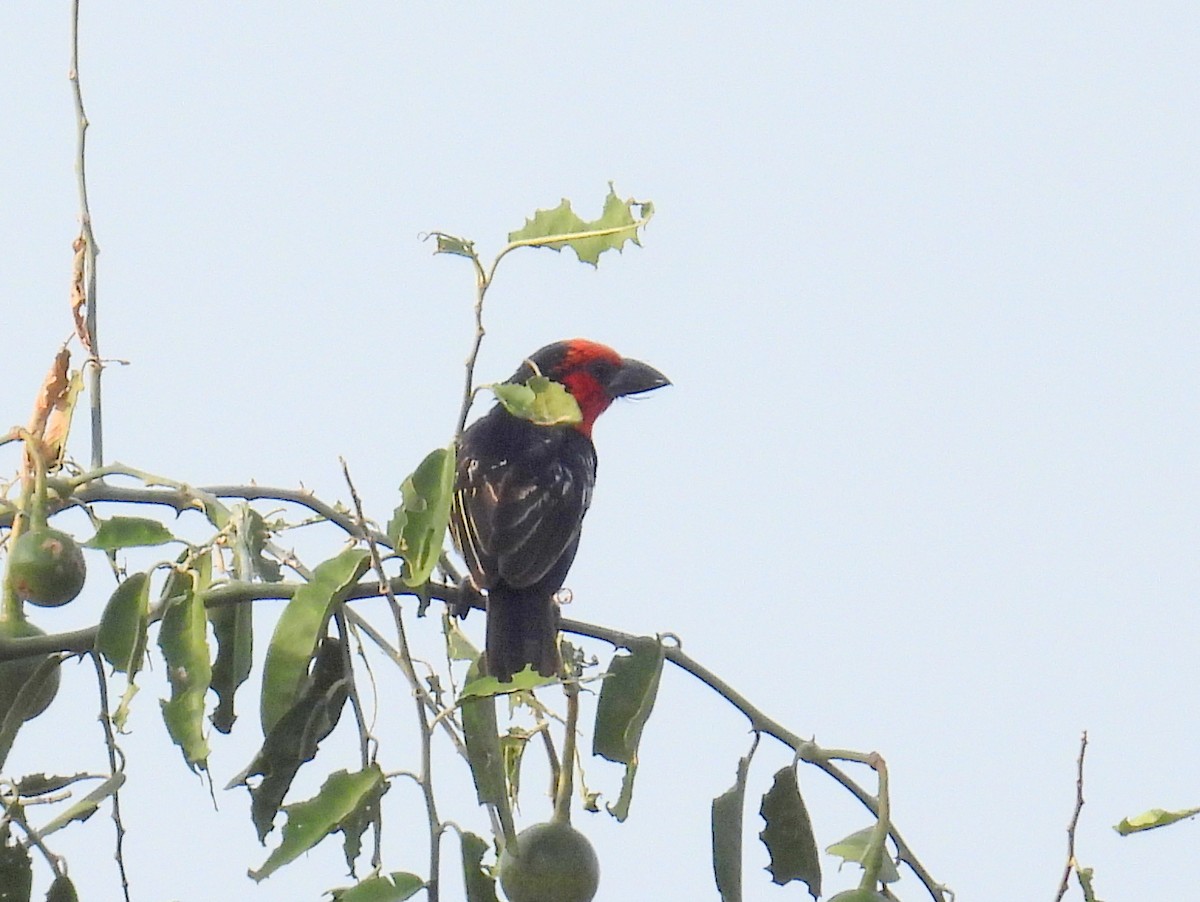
[
  {"x": 16, "y": 673},
  {"x": 859, "y": 895},
  {"x": 550, "y": 863},
  {"x": 46, "y": 568}
]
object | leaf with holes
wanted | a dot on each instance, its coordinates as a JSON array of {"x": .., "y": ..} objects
[
  {"x": 340, "y": 802},
  {"x": 562, "y": 227},
  {"x": 788, "y": 834}
]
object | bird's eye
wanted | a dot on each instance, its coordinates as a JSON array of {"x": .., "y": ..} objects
[{"x": 603, "y": 370}]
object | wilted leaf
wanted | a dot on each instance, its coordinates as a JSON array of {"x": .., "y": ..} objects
[
  {"x": 58, "y": 426},
  {"x": 788, "y": 834},
  {"x": 1152, "y": 819},
  {"x": 300, "y": 627},
  {"x": 129, "y": 532},
  {"x": 294, "y": 740},
  {"x": 394, "y": 887},
  {"x": 854, "y": 848},
  {"x": 562, "y": 227},
  {"x": 341, "y": 797},
  {"x": 727, "y": 836},
  {"x": 79, "y": 294},
  {"x": 53, "y": 387},
  {"x": 183, "y": 639},
  {"x": 539, "y": 400},
  {"x": 480, "y": 885},
  {"x": 122, "y": 634},
  {"x": 417, "y": 529}
]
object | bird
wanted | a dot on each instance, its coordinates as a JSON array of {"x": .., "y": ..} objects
[{"x": 521, "y": 491}]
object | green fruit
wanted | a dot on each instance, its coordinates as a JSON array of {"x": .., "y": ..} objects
[
  {"x": 859, "y": 895},
  {"x": 46, "y": 568},
  {"x": 16, "y": 673},
  {"x": 550, "y": 863}
]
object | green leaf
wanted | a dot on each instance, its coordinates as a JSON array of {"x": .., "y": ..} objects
[
  {"x": 562, "y": 227},
  {"x": 417, "y": 529},
  {"x": 300, "y": 627},
  {"x": 16, "y": 869},
  {"x": 458, "y": 646},
  {"x": 488, "y": 686},
  {"x": 1084, "y": 876},
  {"x": 233, "y": 628},
  {"x": 33, "y": 785},
  {"x": 480, "y": 732},
  {"x": 341, "y": 798},
  {"x": 294, "y": 740},
  {"x": 394, "y": 887},
  {"x": 626, "y": 700},
  {"x": 122, "y": 635},
  {"x": 512, "y": 751},
  {"x": 480, "y": 885},
  {"x": 854, "y": 848},
  {"x": 183, "y": 639},
  {"x": 539, "y": 400},
  {"x": 788, "y": 834},
  {"x": 450, "y": 244},
  {"x": 727, "y": 836},
  {"x": 86, "y": 807},
  {"x": 129, "y": 532},
  {"x": 29, "y": 700},
  {"x": 61, "y": 890},
  {"x": 1152, "y": 819},
  {"x": 250, "y": 537}
]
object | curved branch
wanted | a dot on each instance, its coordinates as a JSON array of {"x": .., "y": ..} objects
[{"x": 806, "y": 749}]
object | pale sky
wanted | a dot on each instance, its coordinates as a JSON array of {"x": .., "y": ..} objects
[{"x": 925, "y": 279}]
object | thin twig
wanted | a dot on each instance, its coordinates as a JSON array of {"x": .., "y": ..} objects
[
  {"x": 110, "y": 743},
  {"x": 420, "y": 696},
  {"x": 482, "y": 282},
  {"x": 1071, "y": 827},
  {"x": 90, "y": 249}
]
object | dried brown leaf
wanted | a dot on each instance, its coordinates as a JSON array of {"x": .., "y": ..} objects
[{"x": 79, "y": 295}]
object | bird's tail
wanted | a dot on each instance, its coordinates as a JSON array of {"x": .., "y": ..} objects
[{"x": 522, "y": 629}]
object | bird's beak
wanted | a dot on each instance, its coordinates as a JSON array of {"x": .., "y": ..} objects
[{"x": 635, "y": 377}]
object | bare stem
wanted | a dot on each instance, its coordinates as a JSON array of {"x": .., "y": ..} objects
[
  {"x": 1071, "y": 827},
  {"x": 482, "y": 281},
  {"x": 110, "y": 742},
  {"x": 90, "y": 249}
]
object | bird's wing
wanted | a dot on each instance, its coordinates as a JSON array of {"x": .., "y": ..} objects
[{"x": 515, "y": 519}]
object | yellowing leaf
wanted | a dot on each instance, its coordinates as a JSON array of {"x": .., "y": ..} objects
[
  {"x": 539, "y": 400},
  {"x": 562, "y": 227},
  {"x": 1155, "y": 817}
]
